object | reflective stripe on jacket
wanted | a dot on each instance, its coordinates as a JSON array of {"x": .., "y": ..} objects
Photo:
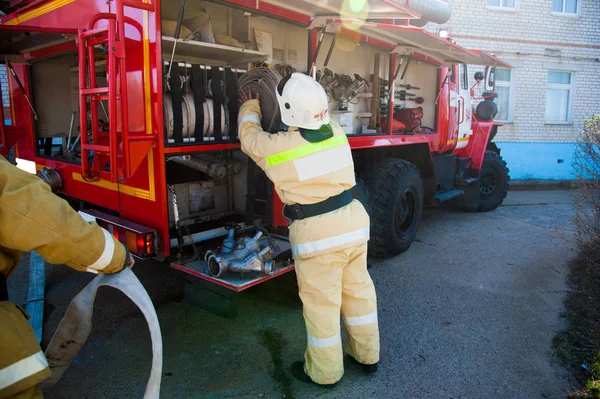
[
  {"x": 307, "y": 173},
  {"x": 34, "y": 219}
]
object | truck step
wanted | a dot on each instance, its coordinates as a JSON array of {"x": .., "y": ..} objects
[
  {"x": 448, "y": 195},
  {"x": 468, "y": 181},
  {"x": 93, "y": 33}
]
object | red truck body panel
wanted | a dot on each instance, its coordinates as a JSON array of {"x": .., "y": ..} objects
[{"x": 142, "y": 198}]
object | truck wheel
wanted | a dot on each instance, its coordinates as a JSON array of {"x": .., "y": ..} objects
[
  {"x": 493, "y": 185},
  {"x": 493, "y": 182},
  {"x": 396, "y": 205}
]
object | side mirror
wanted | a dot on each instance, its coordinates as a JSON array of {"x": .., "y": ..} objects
[
  {"x": 479, "y": 76},
  {"x": 490, "y": 78}
]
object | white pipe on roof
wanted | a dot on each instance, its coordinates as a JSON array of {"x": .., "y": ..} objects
[{"x": 431, "y": 11}]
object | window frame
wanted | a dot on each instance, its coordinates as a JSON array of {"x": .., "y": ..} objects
[
  {"x": 6, "y": 88},
  {"x": 511, "y": 93},
  {"x": 503, "y": 8},
  {"x": 570, "y": 87},
  {"x": 463, "y": 81},
  {"x": 567, "y": 14}
]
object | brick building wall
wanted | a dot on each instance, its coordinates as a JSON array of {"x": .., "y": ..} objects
[{"x": 536, "y": 40}]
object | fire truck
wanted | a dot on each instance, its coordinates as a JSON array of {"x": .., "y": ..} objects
[{"x": 128, "y": 109}]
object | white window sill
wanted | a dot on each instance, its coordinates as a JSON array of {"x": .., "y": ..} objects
[
  {"x": 504, "y": 9},
  {"x": 558, "y": 123},
  {"x": 565, "y": 14}
]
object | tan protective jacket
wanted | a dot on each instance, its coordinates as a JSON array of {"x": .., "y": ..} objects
[
  {"x": 34, "y": 219},
  {"x": 307, "y": 173}
]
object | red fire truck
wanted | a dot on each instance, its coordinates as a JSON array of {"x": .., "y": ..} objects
[{"x": 146, "y": 121}]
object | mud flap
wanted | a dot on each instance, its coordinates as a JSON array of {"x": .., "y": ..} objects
[
  {"x": 213, "y": 298},
  {"x": 470, "y": 199}
]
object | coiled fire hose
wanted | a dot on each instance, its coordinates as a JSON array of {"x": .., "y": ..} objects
[
  {"x": 76, "y": 326},
  {"x": 264, "y": 81},
  {"x": 189, "y": 116}
]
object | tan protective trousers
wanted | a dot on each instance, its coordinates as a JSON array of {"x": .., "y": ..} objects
[
  {"x": 330, "y": 283},
  {"x": 22, "y": 362}
]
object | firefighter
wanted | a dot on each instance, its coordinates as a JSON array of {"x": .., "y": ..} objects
[
  {"x": 34, "y": 219},
  {"x": 312, "y": 170}
]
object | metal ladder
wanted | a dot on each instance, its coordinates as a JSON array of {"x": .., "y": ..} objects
[{"x": 114, "y": 149}]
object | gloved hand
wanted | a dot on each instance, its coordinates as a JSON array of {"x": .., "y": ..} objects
[
  {"x": 245, "y": 96},
  {"x": 131, "y": 261}
]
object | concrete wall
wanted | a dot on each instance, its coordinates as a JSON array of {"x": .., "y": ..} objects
[
  {"x": 535, "y": 40},
  {"x": 540, "y": 161}
]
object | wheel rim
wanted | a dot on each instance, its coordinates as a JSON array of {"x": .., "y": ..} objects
[
  {"x": 405, "y": 212},
  {"x": 489, "y": 182}
]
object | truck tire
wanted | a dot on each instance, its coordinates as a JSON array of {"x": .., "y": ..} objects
[
  {"x": 493, "y": 185},
  {"x": 396, "y": 204}
]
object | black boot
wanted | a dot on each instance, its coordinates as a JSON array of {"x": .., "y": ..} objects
[
  {"x": 297, "y": 371},
  {"x": 366, "y": 368}
]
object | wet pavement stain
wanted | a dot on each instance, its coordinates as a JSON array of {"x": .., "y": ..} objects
[{"x": 274, "y": 342}]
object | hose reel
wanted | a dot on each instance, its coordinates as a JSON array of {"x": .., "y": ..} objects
[
  {"x": 190, "y": 95},
  {"x": 189, "y": 116}
]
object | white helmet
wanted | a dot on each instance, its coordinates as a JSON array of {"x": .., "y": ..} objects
[{"x": 303, "y": 102}]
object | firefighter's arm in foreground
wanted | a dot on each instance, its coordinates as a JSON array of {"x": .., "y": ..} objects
[
  {"x": 34, "y": 219},
  {"x": 256, "y": 143}
]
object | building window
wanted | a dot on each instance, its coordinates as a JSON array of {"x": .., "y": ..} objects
[
  {"x": 559, "y": 97},
  {"x": 505, "y": 90},
  {"x": 502, "y": 4},
  {"x": 565, "y": 6}
]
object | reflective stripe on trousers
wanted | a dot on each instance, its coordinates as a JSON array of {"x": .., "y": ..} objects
[
  {"x": 361, "y": 320},
  {"x": 324, "y": 342},
  {"x": 22, "y": 369},
  {"x": 330, "y": 242}
]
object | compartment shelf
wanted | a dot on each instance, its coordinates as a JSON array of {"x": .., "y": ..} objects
[
  {"x": 237, "y": 281},
  {"x": 208, "y": 53}
]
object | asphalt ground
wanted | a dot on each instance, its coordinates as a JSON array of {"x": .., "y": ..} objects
[{"x": 469, "y": 311}]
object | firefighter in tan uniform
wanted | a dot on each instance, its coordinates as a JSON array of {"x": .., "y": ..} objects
[
  {"x": 312, "y": 170},
  {"x": 34, "y": 219}
]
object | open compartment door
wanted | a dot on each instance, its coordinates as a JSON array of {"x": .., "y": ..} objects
[
  {"x": 489, "y": 59},
  {"x": 409, "y": 40},
  {"x": 313, "y": 12}
]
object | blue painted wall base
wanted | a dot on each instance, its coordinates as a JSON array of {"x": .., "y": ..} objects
[{"x": 539, "y": 161}]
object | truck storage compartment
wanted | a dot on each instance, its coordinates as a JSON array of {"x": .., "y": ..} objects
[
  {"x": 215, "y": 225},
  {"x": 55, "y": 92}
]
